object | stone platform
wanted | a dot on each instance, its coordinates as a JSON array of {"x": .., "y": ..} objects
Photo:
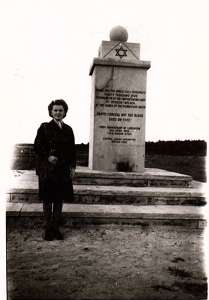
[
  {"x": 151, "y": 177},
  {"x": 103, "y": 203}
]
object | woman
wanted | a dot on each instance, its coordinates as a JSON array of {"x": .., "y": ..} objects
[{"x": 55, "y": 166}]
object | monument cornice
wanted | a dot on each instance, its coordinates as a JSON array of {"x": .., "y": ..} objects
[{"x": 118, "y": 63}]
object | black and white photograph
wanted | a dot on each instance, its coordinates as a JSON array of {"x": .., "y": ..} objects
[{"x": 104, "y": 149}]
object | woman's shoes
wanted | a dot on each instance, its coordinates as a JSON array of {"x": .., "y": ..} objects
[
  {"x": 57, "y": 234},
  {"x": 53, "y": 233},
  {"x": 48, "y": 235}
]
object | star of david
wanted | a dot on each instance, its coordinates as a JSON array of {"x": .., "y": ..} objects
[{"x": 120, "y": 52}]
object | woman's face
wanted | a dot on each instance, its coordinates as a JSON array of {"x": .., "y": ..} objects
[{"x": 58, "y": 112}]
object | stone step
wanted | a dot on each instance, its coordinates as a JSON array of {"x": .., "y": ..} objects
[
  {"x": 149, "y": 178},
  {"x": 124, "y": 214},
  {"x": 85, "y": 176},
  {"x": 23, "y": 187},
  {"x": 119, "y": 195}
]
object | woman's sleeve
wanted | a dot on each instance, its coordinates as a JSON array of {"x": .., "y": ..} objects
[{"x": 40, "y": 143}]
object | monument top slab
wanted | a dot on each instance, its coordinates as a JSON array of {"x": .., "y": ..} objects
[{"x": 97, "y": 61}]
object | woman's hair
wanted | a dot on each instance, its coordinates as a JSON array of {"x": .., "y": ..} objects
[{"x": 58, "y": 102}]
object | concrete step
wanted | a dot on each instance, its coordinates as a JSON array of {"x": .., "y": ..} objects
[
  {"x": 149, "y": 178},
  {"x": 23, "y": 187},
  {"x": 125, "y": 214},
  {"x": 85, "y": 176},
  {"x": 85, "y": 194}
]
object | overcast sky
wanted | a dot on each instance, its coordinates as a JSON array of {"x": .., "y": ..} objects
[{"x": 47, "y": 48}]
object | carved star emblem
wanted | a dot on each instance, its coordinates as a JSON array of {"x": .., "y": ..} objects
[{"x": 120, "y": 52}]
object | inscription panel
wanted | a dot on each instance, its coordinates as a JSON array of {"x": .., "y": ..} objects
[{"x": 120, "y": 116}]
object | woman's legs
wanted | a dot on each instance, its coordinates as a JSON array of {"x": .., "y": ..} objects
[
  {"x": 47, "y": 208},
  {"x": 57, "y": 209},
  {"x": 52, "y": 192}
]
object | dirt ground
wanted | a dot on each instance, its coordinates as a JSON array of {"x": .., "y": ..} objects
[{"x": 105, "y": 262}]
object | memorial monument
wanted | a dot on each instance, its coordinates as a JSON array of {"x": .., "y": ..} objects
[{"x": 118, "y": 106}]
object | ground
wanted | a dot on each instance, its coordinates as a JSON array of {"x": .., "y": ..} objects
[{"x": 105, "y": 262}]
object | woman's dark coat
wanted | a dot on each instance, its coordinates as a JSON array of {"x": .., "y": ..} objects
[{"x": 54, "y": 180}]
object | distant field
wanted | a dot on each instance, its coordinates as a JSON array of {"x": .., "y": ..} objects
[{"x": 188, "y": 165}]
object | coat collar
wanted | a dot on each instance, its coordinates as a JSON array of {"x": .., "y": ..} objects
[{"x": 54, "y": 124}]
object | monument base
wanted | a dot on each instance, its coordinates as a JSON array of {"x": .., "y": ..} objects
[{"x": 148, "y": 178}]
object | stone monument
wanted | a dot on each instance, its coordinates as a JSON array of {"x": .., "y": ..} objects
[{"x": 118, "y": 106}]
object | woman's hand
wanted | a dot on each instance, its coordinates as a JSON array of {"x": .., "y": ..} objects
[
  {"x": 72, "y": 173},
  {"x": 53, "y": 160}
]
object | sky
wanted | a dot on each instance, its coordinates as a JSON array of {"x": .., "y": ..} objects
[{"x": 47, "y": 48}]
